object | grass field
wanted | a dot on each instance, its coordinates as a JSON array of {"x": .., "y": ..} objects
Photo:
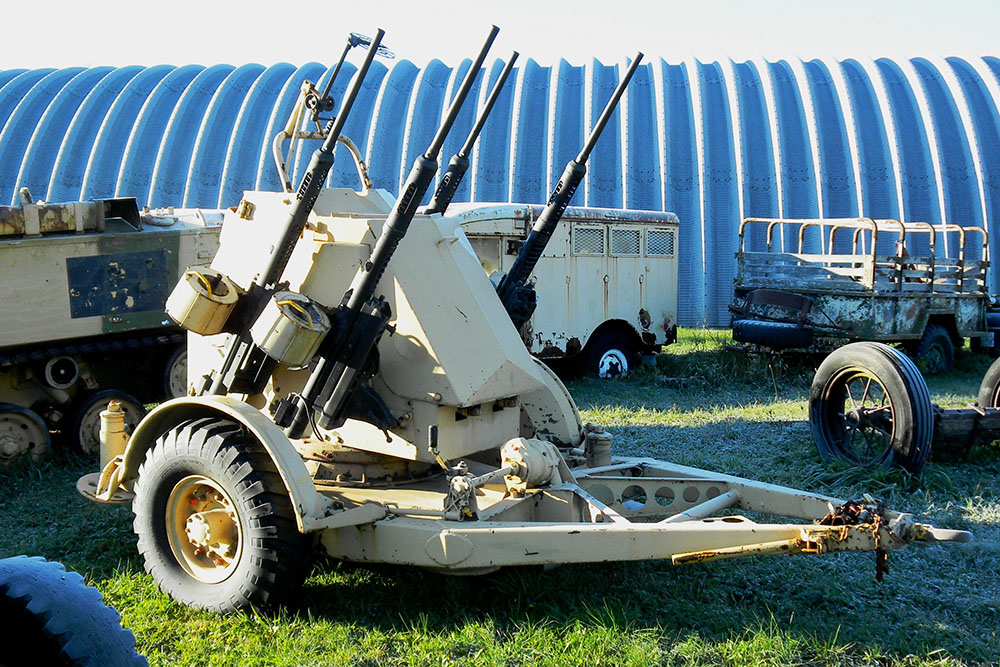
[{"x": 702, "y": 405}]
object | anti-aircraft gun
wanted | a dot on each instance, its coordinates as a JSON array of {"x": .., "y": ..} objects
[{"x": 431, "y": 437}]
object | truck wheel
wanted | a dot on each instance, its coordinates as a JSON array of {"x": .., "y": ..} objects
[
  {"x": 989, "y": 389},
  {"x": 609, "y": 355},
  {"x": 175, "y": 374},
  {"x": 22, "y": 433},
  {"x": 935, "y": 352},
  {"x": 216, "y": 528},
  {"x": 869, "y": 404},
  {"x": 49, "y": 616},
  {"x": 85, "y": 427}
]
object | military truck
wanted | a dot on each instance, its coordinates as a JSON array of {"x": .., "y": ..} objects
[
  {"x": 820, "y": 283},
  {"x": 83, "y": 323},
  {"x": 608, "y": 279}
]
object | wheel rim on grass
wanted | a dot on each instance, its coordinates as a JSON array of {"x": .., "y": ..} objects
[
  {"x": 859, "y": 417},
  {"x": 203, "y": 529},
  {"x": 613, "y": 363},
  {"x": 22, "y": 433}
]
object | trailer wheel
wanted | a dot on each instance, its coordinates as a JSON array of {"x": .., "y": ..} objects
[
  {"x": 989, "y": 389},
  {"x": 935, "y": 352},
  {"x": 22, "y": 433},
  {"x": 216, "y": 528},
  {"x": 85, "y": 426},
  {"x": 609, "y": 354},
  {"x": 869, "y": 404},
  {"x": 175, "y": 374},
  {"x": 49, "y": 616}
]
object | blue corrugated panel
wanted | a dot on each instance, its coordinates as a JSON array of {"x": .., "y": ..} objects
[
  {"x": 987, "y": 128},
  {"x": 569, "y": 116},
  {"x": 48, "y": 135},
  {"x": 878, "y": 182},
  {"x": 14, "y": 89},
  {"x": 70, "y": 165},
  {"x": 760, "y": 190},
  {"x": 100, "y": 178},
  {"x": 683, "y": 195},
  {"x": 836, "y": 170},
  {"x": 139, "y": 158},
  {"x": 204, "y": 178},
  {"x": 958, "y": 175},
  {"x": 390, "y": 126},
  {"x": 604, "y": 187},
  {"x": 643, "y": 182},
  {"x": 531, "y": 136},
  {"x": 489, "y": 177},
  {"x": 20, "y": 126},
  {"x": 917, "y": 178},
  {"x": 721, "y": 197},
  {"x": 177, "y": 148}
]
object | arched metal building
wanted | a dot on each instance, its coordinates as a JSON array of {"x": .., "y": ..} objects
[{"x": 914, "y": 139}]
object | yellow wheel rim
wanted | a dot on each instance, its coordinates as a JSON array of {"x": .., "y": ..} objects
[{"x": 203, "y": 528}]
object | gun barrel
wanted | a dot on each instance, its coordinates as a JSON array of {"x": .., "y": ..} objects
[
  {"x": 511, "y": 285},
  {"x": 459, "y": 163}
]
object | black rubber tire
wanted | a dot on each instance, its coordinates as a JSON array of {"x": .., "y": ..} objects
[
  {"x": 609, "y": 354},
  {"x": 896, "y": 429},
  {"x": 272, "y": 557},
  {"x": 935, "y": 353},
  {"x": 989, "y": 388},
  {"x": 49, "y": 616},
  {"x": 85, "y": 425},
  {"x": 174, "y": 374}
]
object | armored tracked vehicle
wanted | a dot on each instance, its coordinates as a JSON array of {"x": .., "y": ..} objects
[{"x": 83, "y": 323}]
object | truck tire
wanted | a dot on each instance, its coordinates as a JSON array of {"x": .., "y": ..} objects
[
  {"x": 216, "y": 528},
  {"x": 609, "y": 354},
  {"x": 49, "y": 616},
  {"x": 869, "y": 404},
  {"x": 935, "y": 352},
  {"x": 989, "y": 389},
  {"x": 85, "y": 426},
  {"x": 174, "y": 384},
  {"x": 22, "y": 433}
]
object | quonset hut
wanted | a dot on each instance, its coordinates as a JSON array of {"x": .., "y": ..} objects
[{"x": 914, "y": 139}]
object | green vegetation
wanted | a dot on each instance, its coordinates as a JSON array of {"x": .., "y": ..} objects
[{"x": 701, "y": 405}]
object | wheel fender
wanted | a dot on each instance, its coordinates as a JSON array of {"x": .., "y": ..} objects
[{"x": 309, "y": 505}]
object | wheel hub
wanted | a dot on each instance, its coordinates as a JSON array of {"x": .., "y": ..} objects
[
  {"x": 613, "y": 363},
  {"x": 11, "y": 448},
  {"x": 203, "y": 529}
]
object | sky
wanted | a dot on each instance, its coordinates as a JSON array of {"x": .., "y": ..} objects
[{"x": 177, "y": 32}]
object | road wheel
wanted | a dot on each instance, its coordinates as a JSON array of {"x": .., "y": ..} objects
[
  {"x": 869, "y": 404},
  {"x": 49, "y": 616},
  {"x": 935, "y": 352},
  {"x": 216, "y": 527},
  {"x": 85, "y": 427},
  {"x": 175, "y": 374},
  {"x": 609, "y": 354},
  {"x": 22, "y": 433},
  {"x": 989, "y": 389}
]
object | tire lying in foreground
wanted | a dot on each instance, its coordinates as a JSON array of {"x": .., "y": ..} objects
[
  {"x": 869, "y": 404},
  {"x": 989, "y": 389},
  {"x": 49, "y": 616},
  {"x": 216, "y": 527}
]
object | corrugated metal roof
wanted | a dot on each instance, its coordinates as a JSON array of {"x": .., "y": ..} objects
[{"x": 714, "y": 142}]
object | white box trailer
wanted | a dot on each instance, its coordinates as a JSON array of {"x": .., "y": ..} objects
[{"x": 607, "y": 279}]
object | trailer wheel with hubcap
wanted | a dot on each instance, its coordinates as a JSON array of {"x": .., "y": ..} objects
[
  {"x": 869, "y": 404},
  {"x": 935, "y": 351},
  {"x": 85, "y": 426},
  {"x": 49, "y": 616},
  {"x": 22, "y": 433},
  {"x": 609, "y": 354},
  {"x": 215, "y": 524},
  {"x": 175, "y": 374}
]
